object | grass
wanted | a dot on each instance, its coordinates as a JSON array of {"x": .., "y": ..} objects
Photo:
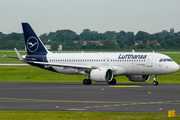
[
  {"x": 10, "y": 54},
  {"x": 66, "y": 115},
  {"x": 34, "y": 74}
]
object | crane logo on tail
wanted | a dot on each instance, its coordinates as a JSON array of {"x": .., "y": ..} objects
[{"x": 32, "y": 44}]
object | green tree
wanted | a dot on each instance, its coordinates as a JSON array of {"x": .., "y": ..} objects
[
  {"x": 143, "y": 36},
  {"x": 44, "y": 37},
  {"x": 120, "y": 43},
  {"x": 100, "y": 36},
  {"x": 1, "y": 34},
  {"x": 110, "y": 35},
  {"x": 54, "y": 45},
  {"x": 110, "y": 44},
  {"x": 141, "y": 46},
  {"x": 91, "y": 45},
  {"x": 10, "y": 44},
  {"x": 62, "y": 36},
  {"x": 167, "y": 44},
  {"x": 155, "y": 42},
  {"x": 87, "y": 34},
  {"x": 168, "y": 36},
  {"x": 130, "y": 41},
  {"x": 130, "y": 34},
  {"x": 70, "y": 45},
  {"x": 123, "y": 33},
  {"x": 80, "y": 43},
  {"x": 176, "y": 42}
]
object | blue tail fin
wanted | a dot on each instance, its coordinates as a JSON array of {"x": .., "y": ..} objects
[{"x": 34, "y": 45}]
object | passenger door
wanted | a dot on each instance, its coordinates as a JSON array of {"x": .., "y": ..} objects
[{"x": 150, "y": 61}]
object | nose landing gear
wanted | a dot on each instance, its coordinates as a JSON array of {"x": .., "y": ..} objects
[{"x": 154, "y": 78}]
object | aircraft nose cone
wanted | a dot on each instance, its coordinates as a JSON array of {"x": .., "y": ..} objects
[{"x": 175, "y": 68}]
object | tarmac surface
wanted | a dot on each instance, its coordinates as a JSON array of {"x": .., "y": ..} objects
[{"x": 98, "y": 97}]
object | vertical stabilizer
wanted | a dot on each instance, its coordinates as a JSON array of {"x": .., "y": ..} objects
[{"x": 33, "y": 43}]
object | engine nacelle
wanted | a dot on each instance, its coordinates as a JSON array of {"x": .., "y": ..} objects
[
  {"x": 101, "y": 75},
  {"x": 138, "y": 78}
]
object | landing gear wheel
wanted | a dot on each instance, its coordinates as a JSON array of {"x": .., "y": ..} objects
[
  {"x": 155, "y": 83},
  {"x": 87, "y": 82},
  {"x": 154, "y": 78},
  {"x": 113, "y": 82}
]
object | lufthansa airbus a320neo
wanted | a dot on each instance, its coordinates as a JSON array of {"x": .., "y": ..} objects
[{"x": 98, "y": 67}]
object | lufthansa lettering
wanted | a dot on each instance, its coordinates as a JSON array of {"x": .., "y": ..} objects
[{"x": 131, "y": 56}]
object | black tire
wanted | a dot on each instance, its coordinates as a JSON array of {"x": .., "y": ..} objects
[
  {"x": 85, "y": 82},
  {"x": 113, "y": 82},
  {"x": 89, "y": 82},
  {"x": 155, "y": 83}
]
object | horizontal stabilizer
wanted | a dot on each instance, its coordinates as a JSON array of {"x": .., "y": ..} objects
[{"x": 10, "y": 57}]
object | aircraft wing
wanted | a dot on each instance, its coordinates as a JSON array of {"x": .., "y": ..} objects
[{"x": 62, "y": 65}]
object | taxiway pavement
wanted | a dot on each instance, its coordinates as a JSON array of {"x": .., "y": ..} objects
[{"x": 98, "y": 97}]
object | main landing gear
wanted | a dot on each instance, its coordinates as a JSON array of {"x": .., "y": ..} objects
[
  {"x": 154, "y": 78},
  {"x": 113, "y": 82},
  {"x": 87, "y": 81}
]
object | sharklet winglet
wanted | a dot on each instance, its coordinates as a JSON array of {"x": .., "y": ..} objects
[{"x": 19, "y": 55}]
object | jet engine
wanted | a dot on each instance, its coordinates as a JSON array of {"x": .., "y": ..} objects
[
  {"x": 101, "y": 75},
  {"x": 138, "y": 78}
]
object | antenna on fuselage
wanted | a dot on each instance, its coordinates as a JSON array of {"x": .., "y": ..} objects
[{"x": 133, "y": 51}]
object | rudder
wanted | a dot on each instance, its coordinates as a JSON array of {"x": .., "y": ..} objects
[{"x": 33, "y": 43}]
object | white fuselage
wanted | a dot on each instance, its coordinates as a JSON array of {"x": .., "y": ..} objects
[{"x": 121, "y": 63}]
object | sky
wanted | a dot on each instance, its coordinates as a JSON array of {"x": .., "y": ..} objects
[{"x": 46, "y": 16}]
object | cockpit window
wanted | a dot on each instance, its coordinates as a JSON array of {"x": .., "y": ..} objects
[
  {"x": 169, "y": 59},
  {"x": 165, "y": 60}
]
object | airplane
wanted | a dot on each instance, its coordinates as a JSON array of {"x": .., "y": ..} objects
[{"x": 98, "y": 67}]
